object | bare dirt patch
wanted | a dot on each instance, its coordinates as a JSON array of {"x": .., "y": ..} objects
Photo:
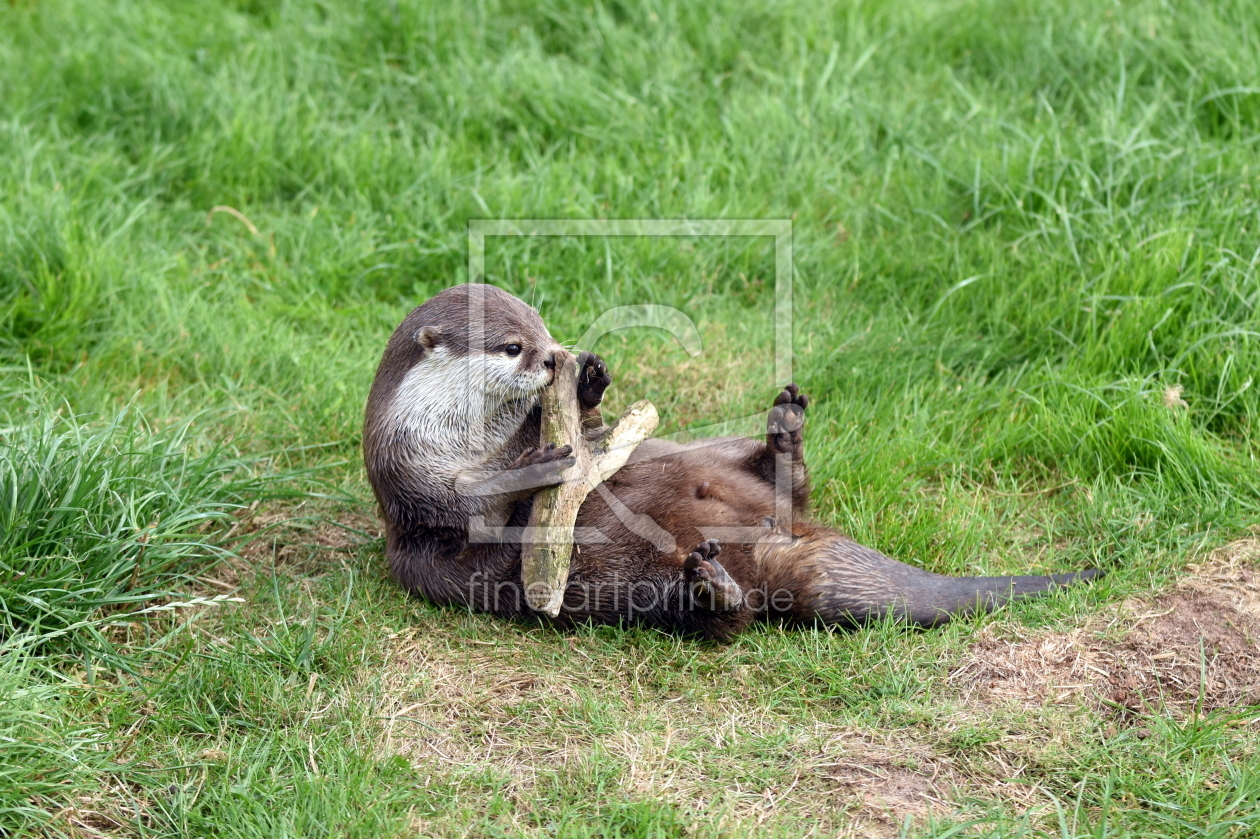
[
  {"x": 1231, "y": 574},
  {"x": 884, "y": 778},
  {"x": 1194, "y": 648}
]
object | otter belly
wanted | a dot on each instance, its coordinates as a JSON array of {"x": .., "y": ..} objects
[{"x": 691, "y": 495}]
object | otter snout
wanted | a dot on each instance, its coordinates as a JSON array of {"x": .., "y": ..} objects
[{"x": 551, "y": 359}]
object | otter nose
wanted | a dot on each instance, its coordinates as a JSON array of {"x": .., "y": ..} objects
[{"x": 550, "y": 361}]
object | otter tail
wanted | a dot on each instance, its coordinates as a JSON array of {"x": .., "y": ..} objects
[
  {"x": 934, "y": 599},
  {"x": 822, "y": 576}
]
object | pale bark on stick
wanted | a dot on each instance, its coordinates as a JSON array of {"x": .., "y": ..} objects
[{"x": 548, "y": 544}]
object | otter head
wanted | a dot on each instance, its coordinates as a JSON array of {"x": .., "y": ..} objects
[
  {"x": 497, "y": 341},
  {"x": 471, "y": 357}
]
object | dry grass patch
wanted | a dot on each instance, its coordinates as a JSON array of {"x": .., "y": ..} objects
[
  {"x": 470, "y": 703},
  {"x": 119, "y": 810},
  {"x": 837, "y": 778},
  {"x": 297, "y": 535},
  {"x": 456, "y": 704},
  {"x": 1195, "y": 647}
]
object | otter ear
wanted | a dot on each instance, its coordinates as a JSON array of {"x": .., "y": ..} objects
[{"x": 427, "y": 337}]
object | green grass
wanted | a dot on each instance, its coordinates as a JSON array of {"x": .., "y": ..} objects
[
  {"x": 1018, "y": 227},
  {"x": 104, "y": 520}
]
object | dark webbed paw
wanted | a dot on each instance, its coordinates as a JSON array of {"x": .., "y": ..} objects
[
  {"x": 593, "y": 379},
  {"x": 786, "y": 422},
  {"x": 542, "y": 466},
  {"x": 711, "y": 587}
]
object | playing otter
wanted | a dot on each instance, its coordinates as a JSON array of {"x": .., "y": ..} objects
[{"x": 451, "y": 440}]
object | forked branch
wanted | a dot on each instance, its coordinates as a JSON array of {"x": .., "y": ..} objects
[{"x": 548, "y": 544}]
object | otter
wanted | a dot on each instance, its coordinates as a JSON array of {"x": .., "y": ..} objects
[
  {"x": 451, "y": 434},
  {"x": 450, "y": 442}
]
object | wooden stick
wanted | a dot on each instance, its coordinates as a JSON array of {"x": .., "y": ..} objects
[{"x": 548, "y": 544}]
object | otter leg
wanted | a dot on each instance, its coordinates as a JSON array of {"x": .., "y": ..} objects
[
  {"x": 784, "y": 457},
  {"x": 539, "y": 456},
  {"x": 537, "y": 467},
  {"x": 593, "y": 380},
  {"x": 787, "y": 419},
  {"x": 711, "y": 587},
  {"x": 533, "y": 468},
  {"x": 693, "y": 595}
]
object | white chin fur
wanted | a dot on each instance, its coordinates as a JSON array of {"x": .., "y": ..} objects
[{"x": 435, "y": 403}]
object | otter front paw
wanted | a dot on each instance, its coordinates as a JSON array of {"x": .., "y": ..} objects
[
  {"x": 593, "y": 379},
  {"x": 543, "y": 466},
  {"x": 549, "y": 453},
  {"x": 711, "y": 587},
  {"x": 786, "y": 421}
]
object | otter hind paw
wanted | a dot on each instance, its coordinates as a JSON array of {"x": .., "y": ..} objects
[
  {"x": 593, "y": 379},
  {"x": 711, "y": 587},
  {"x": 784, "y": 427}
]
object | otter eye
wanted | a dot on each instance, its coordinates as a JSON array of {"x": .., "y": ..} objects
[{"x": 513, "y": 350}]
